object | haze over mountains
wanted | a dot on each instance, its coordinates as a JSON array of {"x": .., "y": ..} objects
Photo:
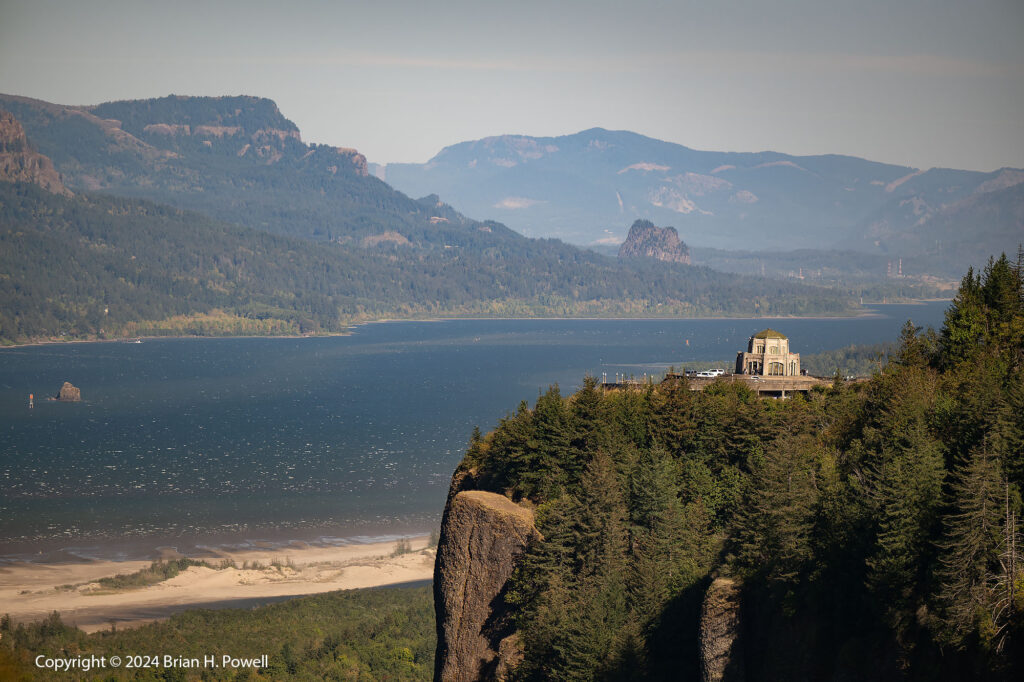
[
  {"x": 210, "y": 215},
  {"x": 588, "y": 187}
]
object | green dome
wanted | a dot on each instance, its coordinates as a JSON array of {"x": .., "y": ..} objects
[{"x": 770, "y": 334}]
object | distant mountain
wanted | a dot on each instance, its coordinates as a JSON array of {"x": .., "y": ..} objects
[
  {"x": 93, "y": 265},
  {"x": 951, "y": 228},
  {"x": 585, "y": 187}
]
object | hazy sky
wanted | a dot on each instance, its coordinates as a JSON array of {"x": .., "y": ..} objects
[{"x": 936, "y": 83}]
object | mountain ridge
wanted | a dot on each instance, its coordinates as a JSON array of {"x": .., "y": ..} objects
[
  {"x": 585, "y": 186},
  {"x": 247, "y": 166},
  {"x": 131, "y": 266}
]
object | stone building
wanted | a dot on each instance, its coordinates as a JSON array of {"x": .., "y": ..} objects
[{"x": 768, "y": 354}]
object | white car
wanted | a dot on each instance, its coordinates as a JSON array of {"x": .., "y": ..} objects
[{"x": 711, "y": 373}]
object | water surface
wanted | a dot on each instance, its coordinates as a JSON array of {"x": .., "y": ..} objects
[{"x": 186, "y": 442}]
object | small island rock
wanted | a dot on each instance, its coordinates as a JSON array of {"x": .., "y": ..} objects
[{"x": 69, "y": 393}]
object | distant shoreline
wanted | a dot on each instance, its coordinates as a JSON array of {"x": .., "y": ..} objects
[{"x": 443, "y": 318}]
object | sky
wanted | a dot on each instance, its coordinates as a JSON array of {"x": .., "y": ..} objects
[{"x": 936, "y": 83}]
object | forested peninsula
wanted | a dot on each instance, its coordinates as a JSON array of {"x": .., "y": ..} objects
[{"x": 866, "y": 531}]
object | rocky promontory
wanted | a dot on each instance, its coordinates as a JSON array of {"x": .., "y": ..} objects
[
  {"x": 481, "y": 535},
  {"x": 720, "y": 653},
  {"x": 20, "y": 163},
  {"x": 646, "y": 240}
]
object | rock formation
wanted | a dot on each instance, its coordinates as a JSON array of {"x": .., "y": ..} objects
[
  {"x": 68, "y": 393},
  {"x": 661, "y": 243},
  {"x": 481, "y": 535},
  {"x": 19, "y": 163},
  {"x": 720, "y": 647}
]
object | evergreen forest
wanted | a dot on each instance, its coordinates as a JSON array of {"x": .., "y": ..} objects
[
  {"x": 365, "y": 635},
  {"x": 96, "y": 266},
  {"x": 873, "y": 527}
]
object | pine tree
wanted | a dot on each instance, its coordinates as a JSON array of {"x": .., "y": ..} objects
[
  {"x": 1001, "y": 290},
  {"x": 588, "y": 428},
  {"x": 906, "y": 493},
  {"x": 965, "y": 327},
  {"x": 774, "y": 527},
  {"x": 513, "y": 454},
  {"x": 554, "y": 464},
  {"x": 911, "y": 349},
  {"x": 671, "y": 427},
  {"x": 971, "y": 549},
  {"x": 653, "y": 485},
  {"x": 570, "y": 588}
]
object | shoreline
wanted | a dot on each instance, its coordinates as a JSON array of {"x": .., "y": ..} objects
[
  {"x": 29, "y": 591},
  {"x": 390, "y": 320}
]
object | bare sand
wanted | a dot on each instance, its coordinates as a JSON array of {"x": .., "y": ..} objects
[{"x": 31, "y": 591}]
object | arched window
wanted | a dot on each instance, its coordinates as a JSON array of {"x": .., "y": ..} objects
[{"x": 775, "y": 369}]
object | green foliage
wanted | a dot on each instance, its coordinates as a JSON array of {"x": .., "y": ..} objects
[
  {"x": 94, "y": 266},
  {"x": 874, "y": 525},
  {"x": 773, "y": 533},
  {"x": 379, "y": 634},
  {"x": 158, "y": 571},
  {"x": 348, "y": 246}
]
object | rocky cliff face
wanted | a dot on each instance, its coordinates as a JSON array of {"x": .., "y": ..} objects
[
  {"x": 481, "y": 535},
  {"x": 661, "y": 243},
  {"x": 720, "y": 652},
  {"x": 19, "y": 163}
]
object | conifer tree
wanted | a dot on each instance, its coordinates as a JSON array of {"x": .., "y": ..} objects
[
  {"x": 583, "y": 556},
  {"x": 906, "y": 493},
  {"x": 554, "y": 462},
  {"x": 671, "y": 426},
  {"x": 965, "y": 327},
  {"x": 773, "y": 530},
  {"x": 971, "y": 549}
]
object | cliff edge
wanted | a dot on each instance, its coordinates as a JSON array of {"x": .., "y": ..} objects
[
  {"x": 481, "y": 535},
  {"x": 720, "y": 653},
  {"x": 20, "y": 163}
]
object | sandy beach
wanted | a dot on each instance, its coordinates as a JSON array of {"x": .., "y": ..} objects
[{"x": 30, "y": 591}]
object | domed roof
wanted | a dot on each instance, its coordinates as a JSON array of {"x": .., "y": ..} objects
[{"x": 770, "y": 334}]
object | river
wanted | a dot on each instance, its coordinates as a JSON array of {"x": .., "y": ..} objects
[{"x": 192, "y": 442}]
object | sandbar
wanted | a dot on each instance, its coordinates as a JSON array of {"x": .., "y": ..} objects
[{"x": 31, "y": 591}]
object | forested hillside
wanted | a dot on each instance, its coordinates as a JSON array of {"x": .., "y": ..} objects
[
  {"x": 236, "y": 159},
  {"x": 257, "y": 232},
  {"x": 873, "y": 527},
  {"x": 93, "y": 266}
]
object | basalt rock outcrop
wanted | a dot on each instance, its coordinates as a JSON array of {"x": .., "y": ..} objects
[
  {"x": 645, "y": 240},
  {"x": 481, "y": 535},
  {"x": 20, "y": 163},
  {"x": 720, "y": 645},
  {"x": 69, "y": 393}
]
